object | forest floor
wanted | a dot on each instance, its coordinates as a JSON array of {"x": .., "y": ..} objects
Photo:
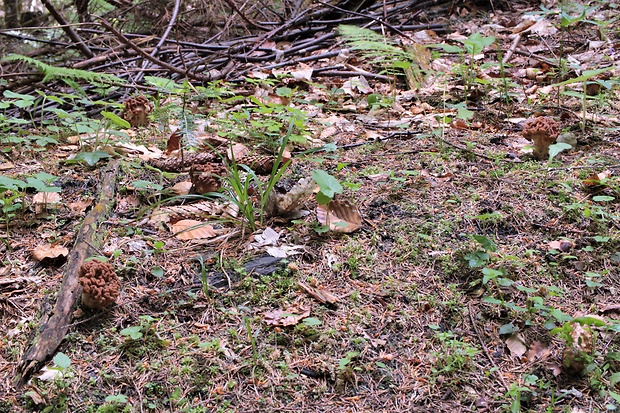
[{"x": 480, "y": 278}]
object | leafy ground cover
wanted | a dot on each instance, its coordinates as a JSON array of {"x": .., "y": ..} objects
[{"x": 479, "y": 277}]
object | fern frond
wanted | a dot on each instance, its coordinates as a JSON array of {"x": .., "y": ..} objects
[
  {"x": 371, "y": 44},
  {"x": 52, "y": 72},
  {"x": 384, "y": 51}
]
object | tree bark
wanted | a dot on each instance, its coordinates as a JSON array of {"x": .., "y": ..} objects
[{"x": 54, "y": 326}]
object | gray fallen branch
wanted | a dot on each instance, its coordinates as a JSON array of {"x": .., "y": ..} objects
[{"x": 54, "y": 325}]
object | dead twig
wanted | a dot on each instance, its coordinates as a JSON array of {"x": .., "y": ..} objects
[
  {"x": 512, "y": 49},
  {"x": 213, "y": 76},
  {"x": 79, "y": 43}
]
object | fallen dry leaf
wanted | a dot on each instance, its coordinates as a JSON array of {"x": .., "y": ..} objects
[
  {"x": 597, "y": 179},
  {"x": 340, "y": 216},
  {"x": 182, "y": 188},
  {"x": 80, "y": 206},
  {"x": 238, "y": 151},
  {"x": 174, "y": 143},
  {"x": 191, "y": 229},
  {"x": 47, "y": 198},
  {"x": 319, "y": 293},
  {"x": 561, "y": 245},
  {"x": 303, "y": 73},
  {"x": 43, "y": 201},
  {"x": 289, "y": 317},
  {"x": 49, "y": 251},
  {"x": 516, "y": 345},
  {"x": 538, "y": 351},
  {"x": 610, "y": 307}
]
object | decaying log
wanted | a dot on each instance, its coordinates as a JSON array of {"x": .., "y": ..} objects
[{"x": 54, "y": 326}]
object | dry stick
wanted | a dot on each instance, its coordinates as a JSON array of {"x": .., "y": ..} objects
[
  {"x": 368, "y": 17},
  {"x": 484, "y": 347},
  {"x": 512, "y": 49},
  {"x": 158, "y": 62},
  {"x": 54, "y": 326},
  {"x": 243, "y": 16},
  {"x": 173, "y": 19},
  {"x": 81, "y": 46}
]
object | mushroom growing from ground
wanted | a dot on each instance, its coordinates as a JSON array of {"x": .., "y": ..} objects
[
  {"x": 100, "y": 284},
  {"x": 206, "y": 178},
  {"x": 543, "y": 131},
  {"x": 136, "y": 111}
]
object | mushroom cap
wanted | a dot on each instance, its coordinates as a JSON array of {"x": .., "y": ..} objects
[
  {"x": 100, "y": 284},
  {"x": 543, "y": 128},
  {"x": 136, "y": 110}
]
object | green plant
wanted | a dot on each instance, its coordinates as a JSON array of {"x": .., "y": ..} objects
[
  {"x": 115, "y": 403},
  {"x": 515, "y": 393},
  {"x": 454, "y": 356},
  {"x": 584, "y": 78},
  {"x": 242, "y": 180},
  {"x": 65, "y": 74},
  {"x": 382, "y": 51},
  {"x": 12, "y": 192},
  {"x": 139, "y": 331},
  {"x": 472, "y": 46}
]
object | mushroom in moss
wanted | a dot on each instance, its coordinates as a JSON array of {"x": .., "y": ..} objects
[
  {"x": 543, "y": 131},
  {"x": 100, "y": 284}
]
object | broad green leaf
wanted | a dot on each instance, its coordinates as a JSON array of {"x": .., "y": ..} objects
[
  {"x": 41, "y": 186},
  {"x": 590, "y": 321},
  {"x": 134, "y": 332},
  {"x": 556, "y": 148},
  {"x": 508, "y": 329},
  {"x": 492, "y": 300},
  {"x": 477, "y": 259},
  {"x": 328, "y": 185},
  {"x": 117, "y": 120},
  {"x": 312, "y": 321},
  {"x": 475, "y": 43},
  {"x": 163, "y": 84},
  {"x": 12, "y": 95},
  {"x": 603, "y": 198},
  {"x": 485, "y": 242},
  {"x": 140, "y": 184},
  {"x": 587, "y": 74},
  {"x": 62, "y": 361},
  {"x": 11, "y": 184},
  {"x": 116, "y": 398},
  {"x": 91, "y": 158}
]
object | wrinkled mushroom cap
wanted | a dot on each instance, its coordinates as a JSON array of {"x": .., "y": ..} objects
[
  {"x": 136, "y": 111},
  {"x": 100, "y": 284},
  {"x": 206, "y": 178},
  {"x": 543, "y": 131}
]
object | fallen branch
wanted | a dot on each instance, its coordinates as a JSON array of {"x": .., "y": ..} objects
[
  {"x": 79, "y": 43},
  {"x": 212, "y": 76},
  {"x": 54, "y": 325}
]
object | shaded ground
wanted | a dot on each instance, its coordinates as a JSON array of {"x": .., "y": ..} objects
[{"x": 427, "y": 317}]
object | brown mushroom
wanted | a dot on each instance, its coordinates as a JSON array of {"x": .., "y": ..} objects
[
  {"x": 100, "y": 284},
  {"x": 136, "y": 111},
  {"x": 206, "y": 178},
  {"x": 543, "y": 131}
]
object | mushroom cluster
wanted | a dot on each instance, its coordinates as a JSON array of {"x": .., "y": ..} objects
[
  {"x": 137, "y": 110},
  {"x": 100, "y": 284},
  {"x": 542, "y": 131}
]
